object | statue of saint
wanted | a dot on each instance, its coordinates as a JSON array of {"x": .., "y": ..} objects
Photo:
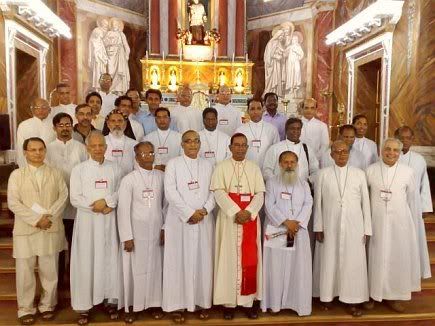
[
  {"x": 98, "y": 59},
  {"x": 197, "y": 18},
  {"x": 274, "y": 62},
  {"x": 118, "y": 52},
  {"x": 294, "y": 55}
]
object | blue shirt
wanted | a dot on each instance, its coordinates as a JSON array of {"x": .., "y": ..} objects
[
  {"x": 149, "y": 123},
  {"x": 278, "y": 120}
]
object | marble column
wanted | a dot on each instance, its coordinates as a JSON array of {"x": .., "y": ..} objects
[
  {"x": 240, "y": 28},
  {"x": 223, "y": 27},
  {"x": 172, "y": 26},
  {"x": 154, "y": 26}
]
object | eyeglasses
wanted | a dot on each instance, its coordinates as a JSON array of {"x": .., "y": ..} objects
[
  {"x": 191, "y": 141},
  {"x": 341, "y": 152},
  {"x": 62, "y": 125},
  {"x": 145, "y": 154}
]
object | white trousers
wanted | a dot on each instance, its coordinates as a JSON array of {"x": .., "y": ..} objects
[{"x": 26, "y": 283}]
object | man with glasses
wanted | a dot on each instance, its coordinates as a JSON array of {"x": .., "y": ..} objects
[
  {"x": 342, "y": 225},
  {"x": 63, "y": 91},
  {"x": 238, "y": 188},
  {"x": 230, "y": 118},
  {"x": 140, "y": 221},
  {"x": 125, "y": 105},
  {"x": 166, "y": 141},
  {"x": 186, "y": 116},
  {"x": 189, "y": 233},
  {"x": 40, "y": 125},
  {"x": 65, "y": 153},
  {"x": 137, "y": 113},
  {"x": 83, "y": 126}
]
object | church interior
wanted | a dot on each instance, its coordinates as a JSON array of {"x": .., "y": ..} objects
[{"x": 371, "y": 57}]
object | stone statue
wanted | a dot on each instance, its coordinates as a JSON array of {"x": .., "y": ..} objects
[
  {"x": 197, "y": 18},
  {"x": 118, "y": 52},
  {"x": 294, "y": 55},
  {"x": 98, "y": 59},
  {"x": 273, "y": 63}
]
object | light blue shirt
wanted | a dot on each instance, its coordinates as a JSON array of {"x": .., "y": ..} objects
[
  {"x": 149, "y": 123},
  {"x": 278, "y": 120}
]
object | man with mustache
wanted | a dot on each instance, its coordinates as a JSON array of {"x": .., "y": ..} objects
[
  {"x": 120, "y": 148},
  {"x": 342, "y": 224},
  {"x": 83, "y": 126},
  {"x": 287, "y": 257},
  {"x": 273, "y": 116}
]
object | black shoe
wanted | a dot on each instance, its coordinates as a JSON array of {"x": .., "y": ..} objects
[
  {"x": 252, "y": 313},
  {"x": 228, "y": 313}
]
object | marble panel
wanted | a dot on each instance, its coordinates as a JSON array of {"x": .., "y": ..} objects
[
  {"x": 138, "y": 6},
  {"x": 256, "y": 8}
]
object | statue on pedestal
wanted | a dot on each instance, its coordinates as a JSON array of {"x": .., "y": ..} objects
[
  {"x": 98, "y": 59},
  {"x": 197, "y": 18}
]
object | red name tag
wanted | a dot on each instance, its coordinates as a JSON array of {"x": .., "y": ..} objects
[
  {"x": 223, "y": 122},
  {"x": 209, "y": 154},
  {"x": 193, "y": 185},
  {"x": 256, "y": 143},
  {"x": 148, "y": 193},
  {"x": 102, "y": 184},
  {"x": 162, "y": 150},
  {"x": 286, "y": 196}
]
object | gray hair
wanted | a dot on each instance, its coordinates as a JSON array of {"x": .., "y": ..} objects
[
  {"x": 392, "y": 140},
  {"x": 94, "y": 133},
  {"x": 339, "y": 142},
  {"x": 143, "y": 143}
]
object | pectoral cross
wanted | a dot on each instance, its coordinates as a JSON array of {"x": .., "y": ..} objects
[{"x": 239, "y": 188}]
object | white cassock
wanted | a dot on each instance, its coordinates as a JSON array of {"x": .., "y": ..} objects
[
  {"x": 342, "y": 213},
  {"x": 315, "y": 134},
  {"x": 187, "y": 118},
  {"x": 33, "y": 127},
  {"x": 356, "y": 159},
  {"x": 64, "y": 108},
  {"x": 287, "y": 271},
  {"x": 65, "y": 156},
  {"x": 98, "y": 122},
  {"x": 137, "y": 128},
  {"x": 243, "y": 180},
  {"x": 188, "y": 256},
  {"x": 306, "y": 171},
  {"x": 369, "y": 149},
  {"x": 167, "y": 145},
  {"x": 108, "y": 103},
  {"x": 423, "y": 204},
  {"x": 229, "y": 118},
  {"x": 261, "y": 135},
  {"x": 120, "y": 150},
  {"x": 94, "y": 252},
  {"x": 394, "y": 264},
  {"x": 140, "y": 218},
  {"x": 214, "y": 146}
]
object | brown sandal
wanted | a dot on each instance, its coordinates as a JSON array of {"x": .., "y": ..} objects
[
  {"x": 157, "y": 313},
  {"x": 83, "y": 319},
  {"x": 112, "y": 312},
  {"x": 203, "y": 314},
  {"x": 27, "y": 319},
  {"x": 178, "y": 317},
  {"x": 354, "y": 311}
]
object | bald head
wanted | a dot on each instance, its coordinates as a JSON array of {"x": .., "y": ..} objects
[
  {"x": 310, "y": 108},
  {"x": 40, "y": 108},
  {"x": 340, "y": 152},
  {"x": 96, "y": 145},
  {"x": 184, "y": 95},
  {"x": 191, "y": 143},
  {"x": 224, "y": 95}
]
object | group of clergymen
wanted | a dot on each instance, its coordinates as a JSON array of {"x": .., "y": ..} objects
[{"x": 228, "y": 218}]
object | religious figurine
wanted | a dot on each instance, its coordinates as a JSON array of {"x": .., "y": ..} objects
[
  {"x": 222, "y": 78},
  {"x": 294, "y": 54},
  {"x": 118, "y": 52},
  {"x": 197, "y": 18},
  {"x": 154, "y": 79},
  {"x": 98, "y": 59},
  {"x": 273, "y": 63}
]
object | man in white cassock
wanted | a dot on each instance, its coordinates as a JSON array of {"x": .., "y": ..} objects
[
  {"x": 287, "y": 270},
  {"x": 186, "y": 116},
  {"x": 64, "y": 153},
  {"x": 239, "y": 192},
  {"x": 189, "y": 232},
  {"x": 166, "y": 141},
  {"x": 108, "y": 97},
  {"x": 125, "y": 105},
  {"x": 37, "y": 196},
  {"x": 94, "y": 254},
  {"x": 394, "y": 264},
  {"x": 356, "y": 157},
  {"x": 40, "y": 125},
  {"x": 314, "y": 132},
  {"x": 307, "y": 159},
  {"x": 261, "y": 135},
  {"x": 367, "y": 146},
  {"x": 140, "y": 220},
  {"x": 423, "y": 198},
  {"x": 63, "y": 91},
  {"x": 120, "y": 148},
  {"x": 214, "y": 143},
  {"x": 229, "y": 117},
  {"x": 342, "y": 224}
]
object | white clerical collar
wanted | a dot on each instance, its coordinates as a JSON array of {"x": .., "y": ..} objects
[
  {"x": 238, "y": 162},
  {"x": 225, "y": 105},
  {"x": 340, "y": 168},
  {"x": 405, "y": 155},
  {"x": 185, "y": 107},
  {"x": 64, "y": 143},
  {"x": 305, "y": 119},
  {"x": 292, "y": 143},
  {"x": 96, "y": 163},
  {"x": 163, "y": 133},
  {"x": 386, "y": 166},
  {"x": 145, "y": 171},
  {"x": 258, "y": 124},
  {"x": 39, "y": 120},
  {"x": 188, "y": 159},
  {"x": 64, "y": 105},
  {"x": 211, "y": 133},
  {"x": 35, "y": 169}
]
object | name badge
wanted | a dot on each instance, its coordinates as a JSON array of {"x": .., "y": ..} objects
[
  {"x": 209, "y": 154},
  {"x": 385, "y": 195},
  {"x": 117, "y": 152},
  {"x": 102, "y": 184},
  {"x": 223, "y": 122},
  {"x": 245, "y": 198},
  {"x": 148, "y": 194},
  {"x": 162, "y": 150},
  {"x": 193, "y": 185},
  {"x": 256, "y": 143},
  {"x": 286, "y": 196}
]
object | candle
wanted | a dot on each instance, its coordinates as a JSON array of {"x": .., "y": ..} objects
[
  {"x": 233, "y": 57},
  {"x": 146, "y": 54},
  {"x": 246, "y": 58},
  {"x": 163, "y": 55}
]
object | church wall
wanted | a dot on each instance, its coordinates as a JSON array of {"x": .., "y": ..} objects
[{"x": 412, "y": 99}]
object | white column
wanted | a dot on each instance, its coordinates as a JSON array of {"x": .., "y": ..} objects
[
  {"x": 231, "y": 45},
  {"x": 164, "y": 39}
]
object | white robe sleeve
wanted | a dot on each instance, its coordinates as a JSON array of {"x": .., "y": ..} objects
[
  {"x": 124, "y": 210},
  {"x": 275, "y": 137},
  {"x": 365, "y": 206},
  {"x": 112, "y": 198},
  {"x": 269, "y": 163},
  {"x": 210, "y": 203},
  {"x": 305, "y": 214},
  {"x": 314, "y": 166},
  {"x": 173, "y": 196},
  {"x": 15, "y": 204},
  {"x": 77, "y": 198},
  {"x": 426, "y": 197},
  {"x": 410, "y": 197},
  {"x": 324, "y": 138},
  {"x": 225, "y": 203},
  {"x": 274, "y": 214},
  {"x": 318, "y": 218},
  {"x": 59, "y": 205}
]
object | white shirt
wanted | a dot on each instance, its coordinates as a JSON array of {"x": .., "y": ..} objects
[
  {"x": 368, "y": 148},
  {"x": 229, "y": 118},
  {"x": 33, "y": 127},
  {"x": 121, "y": 151},
  {"x": 167, "y": 145},
  {"x": 261, "y": 135},
  {"x": 214, "y": 146},
  {"x": 137, "y": 128},
  {"x": 187, "y": 118},
  {"x": 108, "y": 102},
  {"x": 315, "y": 134}
]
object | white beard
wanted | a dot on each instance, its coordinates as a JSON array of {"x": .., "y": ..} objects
[
  {"x": 118, "y": 133},
  {"x": 289, "y": 178}
]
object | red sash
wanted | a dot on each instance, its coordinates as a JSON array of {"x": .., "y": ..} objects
[{"x": 249, "y": 250}]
